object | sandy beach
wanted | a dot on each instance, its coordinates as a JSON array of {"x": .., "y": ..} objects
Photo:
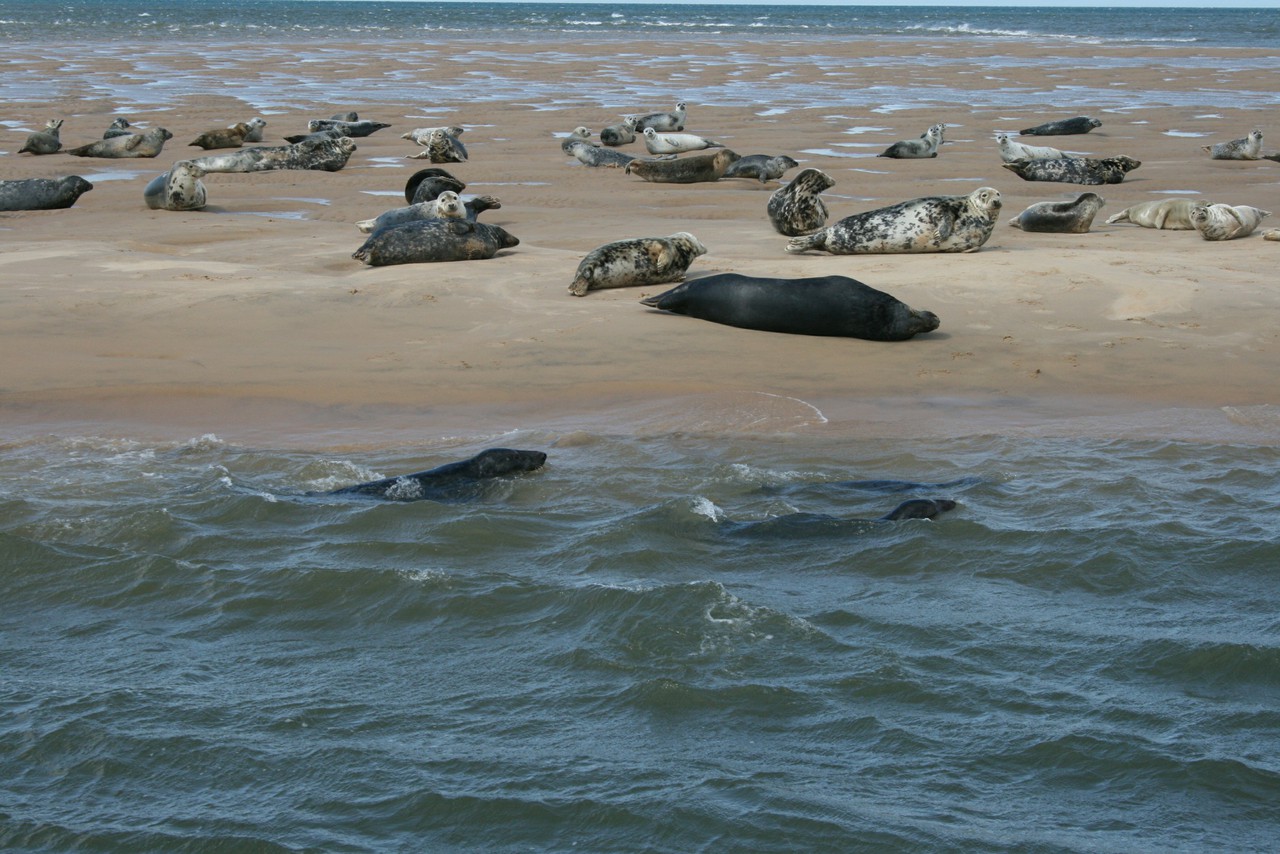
[{"x": 250, "y": 319}]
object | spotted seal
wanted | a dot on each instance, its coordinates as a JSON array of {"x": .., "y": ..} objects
[
  {"x": 924, "y": 146},
  {"x": 256, "y": 127},
  {"x": 145, "y": 144},
  {"x": 325, "y": 154},
  {"x": 676, "y": 143},
  {"x": 928, "y": 224},
  {"x": 797, "y": 208},
  {"x": 761, "y": 167},
  {"x": 423, "y": 135},
  {"x": 1063, "y": 127},
  {"x": 425, "y": 184},
  {"x": 1075, "y": 170},
  {"x": 231, "y": 137},
  {"x": 684, "y": 170},
  {"x": 179, "y": 189},
  {"x": 1171, "y": 214},
  {"x": 663, "y": 122},
  {"x": 451, "y": 481},
  {"x": 1074, "y": 217},
  {"x": 1011, "y": 150},
  {"x": 44, "y": 141},
  {"x": 575, "y": 136},
  {"x": 1226, "y": 222},
  {"x": 594, "y": 155},
  {"x": 621, "y": 133},
  {"x": 441, "y": 147},
  {"x": 119, "y": 127},
  {"x": 42, "y": 194},
  {"x": 820, "y": 305},
  {"x": 429, "y": 209},
  {"x": 640, "y": 261},
  {"x": 429, "y": 240},
  {"x": 1246, "y": 148},
  {"x": 353, "y": 129}
]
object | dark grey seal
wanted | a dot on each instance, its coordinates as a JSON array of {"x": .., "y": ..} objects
[
  {"x": 797, "y": 208},
  {"x": 430, "y": 240},
  {"x": 44, "y": 141},
  {"x": 42, "y": 194},
  {"x": 621, "y": 133},
  {"x": 928, "y": 224},
  {"x": 426, "y": 184},
  {"x": 145, "y": 144},
  {"x": 1063, "y": 127},
  {"x": 822, "y": 305},
  {"x": 807, "y": 525},
  {"x": 696, "y": 169},
  {"x": 1074, "y": 170},
  {"x": 354, "y": 129},
  {"x": 118, "y": 127},
  {"x": 1074, "y": 217},
  {"x": 451, "y": 481},
  {"x": 762, "y": 167}
]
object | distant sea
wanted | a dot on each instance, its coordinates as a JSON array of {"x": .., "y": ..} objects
[{"x": 688, "y": 633}]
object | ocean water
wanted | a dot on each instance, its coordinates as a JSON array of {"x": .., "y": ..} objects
[{"x": 687, "y": 635}]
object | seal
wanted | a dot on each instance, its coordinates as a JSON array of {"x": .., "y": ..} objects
[
  {"x": 594, "y": 155},
  {"x": 325, "y": 154},
  {"x": 928, "y": 224},
  {"x": 1272, "y": 234},
  {"x": 353, "y": 129},
  {"x": 807, "y": 525},
  {"x": 42, "y": 194},
  {"x": 425, "y": 184},
  {"x": 145, "y": 144},
  {"x": 925, "y": 146},
  {"x": 1074, "y": 170},
  {"x": 578, "y": 134},
  {"x": 1246, "y": 148},
  {"x": 423, "y": 135},
  {"x": 351, "y": 116},
  {"x": 179, "y": 189},
  {"x": 684, "y": 170},
  {"x": 1060, "y": 217},
  {"x": 1226, "y": 222},
  {"x": 451, "y": 481},
  {"x": 118, "y": 127},
  {"x": 797, "y": 208},
  {"x": 429, "y": 240},
  {"x": 429, "y": 209},
  {"x": 232, "y": 137},
  {"x": 820, "y": 305},
  {"x": 44, "y": 141},
  {"x": 1011, "y": 150},
  {"x": 760, "y": 166},
  {"x": 664, "y": 122},
  {"x": 256, "y": 127},
  {"x": 641, "y": 261},
  {"x": 443, "y": 148},
  {"x": 621, "y": 133},
  {"x": 919, "y": 508},
  {"x": 1171, "y": 214},
  {"x": 676, "y": 143},
  {"x": 1063, "y": 127}
]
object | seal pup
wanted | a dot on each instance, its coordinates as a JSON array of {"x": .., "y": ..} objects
[
  {"x": 1171, "y": 214},
  {"x": 760, "y": 166},
  {"x": 621, "y": 133},
  {"x": 640, "y": 261},
  {"x": 354, "y": 129},
  {"x": 1011, "y": 150},
  {"x": 590, "y": 154},
  {"x": 820, "y": 305},
  {"x": 425, "y": 184},
  {"x": 928, "y": 224},
  {"x": 684, "y": 170},
  {"x": 925, "y": 146},
  {"x": 1063, "y": 127},
  {"x": 230, "y": 137},
  {"x": 145, "y": 144},
  {"x": 1246, "y": 148},
  {"x": 325, "y": 154},
  {"x": 797, "y": 208},
  {"x": 256, "y": 127},
  {"x": 430, "y": 209},
  {"x": 42, "y": 194},
  {"x": 664, "y": 122},
  {"x": 1074, "y": 170},
  {"x": 179, "y": 189},
  {"x": 450, "y": 481},
  {"x": 1074, "y": 217},
  {"x": 1226, "y": 222},
  {"x": 119, "y": 127},
  {"x": 444, "y": 148},
  {"x": 430, "y": 240},
  {"x": 676, "y": 143},
  {"x": 44, "y": 141},
  {"x": 423, "y": 135}
]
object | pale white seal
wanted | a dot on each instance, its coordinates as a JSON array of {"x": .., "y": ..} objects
[
  {"x": 1226, "y": 222},
  {"x": 1011, "y": 150},
  {"x": 676, "y": 143},
  {"x": 1169, "y": 214}
]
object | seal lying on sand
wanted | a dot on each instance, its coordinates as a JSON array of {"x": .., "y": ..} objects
[
  {"x": 1074, "y": 217},
  {"x": 1011, "y": 150},
  {"x": 621, "y": 133},
  {"x": 641, "y": 261},
  {"x": 822, "y": 305},
  {"x": 1075, "y": 170},
  {"x": 118, "y": 127},
  {"x": 145, "y": 144},
  {"x": 430, "y": 209},
  {"x": 683, "y": 170},
  {"x": 42, "y": 194},
  {"x": 179, "y": 189},
  {"x": 354, "y": 129},
  {"x": 256, "y": 126},
  {"x": 1063, "y": 127},
  {"x": 232, "y": 137},
  {"x": 663, "y": 122},
  {"x": 928, "y": 224},
  {"x": 797, "y": 208},
  {"x": 321, "y": 153},
  {"x": 425, "y": 184},
  {"x": 1172, "y": 214},
  {"x": 589, "y": 154},
  {"x": 1245, "y": 148},
  {"x": 676, "y": 143},
  {"x": 926, "y": 145},
  {"x": 451, "y": 481},
  {"x": 760, "y": 166},
  {"x": 1226, "y": 222},
  {"x": 423, "y": 135},
  {"x": 44, "y": 141},
  {"x": 430, "y": 240}
]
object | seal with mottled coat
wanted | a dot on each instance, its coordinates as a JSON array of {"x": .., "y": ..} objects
[
  {"x": 1074, "y": 170},
  {"x": 926, "y": 145},
  {"x": 695, "y": 169},
  {"x": 589, "y": 154},
  {"x": 429, "y": 209},
  {"x": 761, "y": 167},
  {"x": 46, "y": 141},
  {"x": 820, "y": 305},
  {"x": 621, "y": 133},
  {"x": 256, "y": 127},
  {"x": 451, "y": 481},
  {"x": 179, "y": 189},
  {"x": 928, "y": 224},
  {"x": 119, "y": 127},
  {"x": 42, "y": 194},
  {"x": 797, "y": 208},
  {"x": 443, "y": 147},
  {"x": 640, "y": 261},
  {"x": 1074, "y": 217},
  {"x": 423, "y": 135},
  {"x": 1011, "y": 150},
  {"x": 229, "y": 137},
  {"x": 430, "y": 240},
  {"x": 1171, "y": 214},
  {"x": 1226, "y": 222},
  {"x": 1063, "y": 127},
  {"x": 327, "y": 154},
  {"x": 145, "y": 144},
  {"x": 354, "y": 129},
  {"x": 664, "y": 122},
  {"x": 1246, "y": 148}
]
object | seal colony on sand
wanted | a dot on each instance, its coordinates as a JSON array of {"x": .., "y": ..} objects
[
  {"x": 1245, "y": 148},
  {"x": 326, "y": 154},
  {"x": 179, "y": 189},
  {"x": 1171, "y": 214},
  {"x": 1063, "y": 127},
  {"x": 928, "y": 224},
  {"x": 761, "y": 167},
  {"x": 1074, "y": 217},
  {"x": 145, "y": 144},
  {"x": 431, "y": 240},
  {"x": 683, "y": 170},
  {"x": 797, "y": 208},
  {"x": 1074, "y": 170},
  {"x": 639, "y": 261},
  {"x": 44, "y": 141},
  {"x": 821, "y": 305},
  {"x": 924, "y": 146},
  {"x": 42, "y": 194},
  {"x": 1226, "y": 222},
  {"x": 451, "y": 481}
]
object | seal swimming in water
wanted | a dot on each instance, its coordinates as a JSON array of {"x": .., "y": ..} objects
[
  {"x": 928, "y": 224},
  {"x": 640, "y": 261},
  {"x": 589, "y": 154},
  {"x": 926, "y": 145},
  {"x": 231, "y": 137},
  {"x": 820, "y": 305},
  {"x": 1074, "y": 217},
  {"x": 145, "y": 144},
  {"x": 429, "y": 209},
  {"x": 328, "y": 154},
  {"x": 451, "y": 481},
  {"x": 621, "y": 133},
  {"x": 179, "y": 189},
  {"x": 353, "y": 129},
  {"x": 1074, "y": 170},
  {"x": 425, "y": 184},
  {"x": 797, "y": 208},
  {"x": 42, "y": 194},
  {"x": 1226, "y": 222},
  {"x": 760, "y": 166},
  {"x": 676, "y": 143},
  {"x": 1011, "y": 150},
  {"x": 1063, "y": 127},
  {"x": 430, "y": 240},
  {"x": 807, "y": 525},
  {"x": 1172, "y": 214},
  {"x": 663, "y": 122},
  {"x": 1245, "y": 148},
  {"x": 44, "y": 141},
  {"x": 683, "y": 170}
]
